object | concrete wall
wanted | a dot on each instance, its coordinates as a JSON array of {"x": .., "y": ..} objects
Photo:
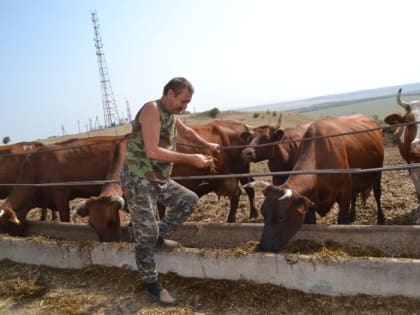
[
  {"x": 393, "y": 240},
  {"x": 330, "y": 276}
]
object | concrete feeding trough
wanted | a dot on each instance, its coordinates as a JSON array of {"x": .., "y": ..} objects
[{"x": 335, "y": 275}]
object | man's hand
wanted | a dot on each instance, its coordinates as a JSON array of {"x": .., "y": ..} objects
[{"x": 200, "y": 160}]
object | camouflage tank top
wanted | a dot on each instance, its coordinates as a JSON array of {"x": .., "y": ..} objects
[{"x": 137, "y": 160}]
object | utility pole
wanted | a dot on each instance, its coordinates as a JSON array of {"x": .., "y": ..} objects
[
  {"x": 109, "y": 104},
  {"x": 128, "y": 111},
  {"x": 97, "y": 124}
]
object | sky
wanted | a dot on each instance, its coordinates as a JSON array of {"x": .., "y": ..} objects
[{"x": 236, "y": 53}]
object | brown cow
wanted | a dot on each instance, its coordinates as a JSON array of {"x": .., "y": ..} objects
[
  {"x": 103, "y": 210},
  {"x": 283, "y": 155},
  {"x": 285, "y": 206},
  {"x": 408, "y": 136},
  {"x": 76, "y": 160},
  {"x": 226, "y": 133},
  {"x": 11, "y": 159}
]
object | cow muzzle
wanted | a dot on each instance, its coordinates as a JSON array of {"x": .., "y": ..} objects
[
  {"x": 415, "y": 148},
  {"x": 248, "y": 155}
]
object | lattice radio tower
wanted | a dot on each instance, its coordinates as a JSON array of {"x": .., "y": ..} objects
[{"x": 111, "y": 116}]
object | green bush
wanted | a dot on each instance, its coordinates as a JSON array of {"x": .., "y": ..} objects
[
  {"x": 256, "y": 115},
  {"x": 6, "y": 140},
  {"x": 213, "y": 112}
]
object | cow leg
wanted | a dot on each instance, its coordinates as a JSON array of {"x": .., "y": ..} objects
[
  {"x": 232, "y": 190},
  {"x": 344, "y": 209},
  {"x": 43, "y": 214},
  {"x": 377, "y": 192},
  {"x": 54, "y": 215},
  {"x": 415, "y": 177},
  {"x": 353, "y": 206},
  {"x": 253, "y": 213},
  {"x": 234, "y": 203},
  {"x": 64, "y": 214},
  {"x": 61, "y": 202},
  {"x": 310, "y": 217}
]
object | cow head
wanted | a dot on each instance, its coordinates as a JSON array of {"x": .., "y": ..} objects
[
  {"x": 9, "y": 222},
  {"x": 284, "y": 212},
  {"x": 261, "y": 135},
  {"x": 103, "y": 215},
  {"x": 408, "y": 136}
]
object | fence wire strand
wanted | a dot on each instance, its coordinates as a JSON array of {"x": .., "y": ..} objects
[
  {"x": 247, "y": 175},
  {"x": 243, "y": 175}
]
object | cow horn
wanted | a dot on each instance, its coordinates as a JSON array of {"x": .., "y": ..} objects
[
  {"x": 75, "y": 210},
  {"x": 256, "y": 183},
  {"x": 278, "y": 125},
  {"x": 120, "y": 200},
  {"x": 401, "y": 102},
  {"x": 287, "y": 194},
  {"x": 15, "y": 220}
]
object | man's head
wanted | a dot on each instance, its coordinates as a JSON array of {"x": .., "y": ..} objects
[
  {"x": 177, "y": 93},
  {"x": 177, "y": 85}
]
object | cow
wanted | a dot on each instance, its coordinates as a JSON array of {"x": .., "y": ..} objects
[
  {"x": 285, "y": 206},
  {"x": 71, "y": 161},
  {"x": 103, "y": 209},
  {"x": 11, "y": 159},
  {"x": 226, "y": 133},
  {"x": 282, "y": 155},
  {"x": 408, "y": 136}
]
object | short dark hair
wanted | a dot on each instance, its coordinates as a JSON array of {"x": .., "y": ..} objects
[{"x": 177, "y": 85}]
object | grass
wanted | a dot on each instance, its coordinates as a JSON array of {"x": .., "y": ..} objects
[{"x": 379, "y": 107}]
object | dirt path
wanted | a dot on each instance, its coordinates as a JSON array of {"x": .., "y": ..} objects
[{"x": 26, "y": 289}]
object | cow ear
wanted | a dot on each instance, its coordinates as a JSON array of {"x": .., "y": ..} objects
[
  {"x": 246, "y": 136},
  {"x": 278, "y": 134},
  {"x": 393, "y": 119}
]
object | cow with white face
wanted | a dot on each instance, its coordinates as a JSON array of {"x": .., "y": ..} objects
[
  {"x": 303, "y": 194},
  {"x": 408, "y": 135}
]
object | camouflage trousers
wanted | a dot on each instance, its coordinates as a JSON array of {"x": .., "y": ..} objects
[{"x": 142, "y": 197}]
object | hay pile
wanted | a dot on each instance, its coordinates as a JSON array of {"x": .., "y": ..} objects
[{"x": 99, "y": 290}]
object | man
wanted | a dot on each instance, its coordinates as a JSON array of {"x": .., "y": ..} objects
[{"x": 145, "y": 179}]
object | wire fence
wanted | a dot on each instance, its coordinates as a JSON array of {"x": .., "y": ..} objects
[{"x": 225, "y": 176}]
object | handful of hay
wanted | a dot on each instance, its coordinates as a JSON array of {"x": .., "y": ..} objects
[{"x": 212, "y": 165}]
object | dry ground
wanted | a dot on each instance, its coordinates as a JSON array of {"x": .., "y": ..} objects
[{"x": 27, "y": 289}]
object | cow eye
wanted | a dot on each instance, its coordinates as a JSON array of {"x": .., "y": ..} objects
[{"x": 264, "y": 139}]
